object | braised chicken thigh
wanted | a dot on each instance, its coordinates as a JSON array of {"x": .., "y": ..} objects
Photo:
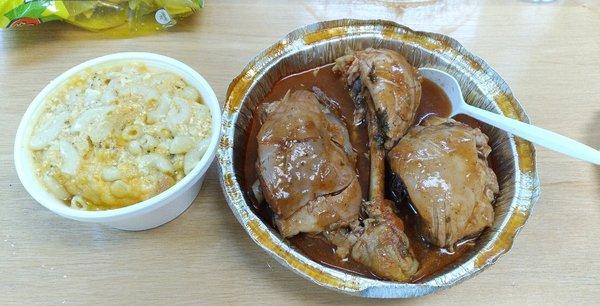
[
  {"x": 392, "y": 83},
  {"x": 306, "y": 166},
  {"x": 380, "y": 242},
  {"x": 443, "y": 164}
]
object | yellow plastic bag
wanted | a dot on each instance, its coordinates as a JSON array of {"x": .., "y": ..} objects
[{"x": 119, "y": 16}]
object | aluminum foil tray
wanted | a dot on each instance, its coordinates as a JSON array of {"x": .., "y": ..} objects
[{"x": 318, "y": 44}]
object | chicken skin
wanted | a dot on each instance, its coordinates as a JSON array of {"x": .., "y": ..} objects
[
  {"x": 443, "y": 165},
  {"x": 393, "y": 84},
  {"x": 306, "y": 166}
]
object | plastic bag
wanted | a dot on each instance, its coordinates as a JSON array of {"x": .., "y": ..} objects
[{"x": 119, "y": 16}]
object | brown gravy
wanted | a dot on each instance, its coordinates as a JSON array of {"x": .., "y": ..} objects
[{"x": 433, "y": 102}]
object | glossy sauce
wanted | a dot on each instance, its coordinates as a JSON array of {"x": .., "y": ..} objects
[{"x": 433, "y": 102}]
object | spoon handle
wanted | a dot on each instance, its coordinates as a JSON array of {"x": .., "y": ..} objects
[{"x": 536, "y": 135}]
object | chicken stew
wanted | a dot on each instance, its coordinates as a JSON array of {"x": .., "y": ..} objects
[{"x": 327, "y": 162}]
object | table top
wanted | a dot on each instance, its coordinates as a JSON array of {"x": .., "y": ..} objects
[{"x": 549, "y": 53}]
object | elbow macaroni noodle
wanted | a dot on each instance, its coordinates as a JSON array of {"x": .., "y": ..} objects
[{"x": 117, "y": 135}]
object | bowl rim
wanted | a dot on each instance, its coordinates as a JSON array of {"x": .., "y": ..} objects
[
  {"x": 312, "y": 35},
  {"x": 22, "y": 154}
]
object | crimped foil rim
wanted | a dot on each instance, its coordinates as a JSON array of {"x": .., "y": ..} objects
[{"x": 527, "y": 181}]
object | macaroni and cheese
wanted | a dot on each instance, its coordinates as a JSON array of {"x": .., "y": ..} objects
[{"x": 116, "y": 135}]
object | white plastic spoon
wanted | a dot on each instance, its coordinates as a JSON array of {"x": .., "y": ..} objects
[{"x": 526, "y": 131}]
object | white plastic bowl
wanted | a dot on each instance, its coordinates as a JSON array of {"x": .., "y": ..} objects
[{"x": 147, "y": 214}]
